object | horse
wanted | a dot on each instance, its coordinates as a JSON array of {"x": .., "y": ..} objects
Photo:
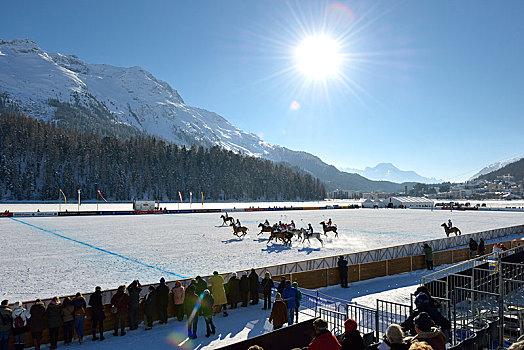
[
  {"x": 312, "y": 235},
  {"x": 299, "y": 232},
  {"x": 327, "y": 228},
  {"x": 226, "y": 219},
  {"x": 241, "y": 229},
  {"x": 265, "y": 228},
  {"x": 283, "y": 236},
  {"x": 451, "y": 230}
]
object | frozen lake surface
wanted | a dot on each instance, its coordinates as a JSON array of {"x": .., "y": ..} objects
[{"x": 45, "y": 256}]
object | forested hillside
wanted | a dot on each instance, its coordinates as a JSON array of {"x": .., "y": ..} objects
[
  {"x": 38, "y": 158},
  {"x": 515, "y": 169}
]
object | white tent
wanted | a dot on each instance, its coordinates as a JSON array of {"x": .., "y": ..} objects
[{"x": 408, "y": 202}]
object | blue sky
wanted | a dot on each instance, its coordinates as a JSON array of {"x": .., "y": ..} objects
[{"x": 431, "y": 86}]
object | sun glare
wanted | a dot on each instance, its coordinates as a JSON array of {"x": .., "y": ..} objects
[{"x": 318, "y": 56}]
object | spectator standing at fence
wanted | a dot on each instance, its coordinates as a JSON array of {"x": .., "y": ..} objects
[
  {"x": 343, "y": 271},
  {"x": 134, "y": 290},
  {"x": 324, "y": 339},
  {"x": 162, "y": 298},
  {"x": 149, "y": 307},
  {"x": 20, "y": 319},
  {"x": 80, "y": 305},
  {"x": 267, "y": 287},
  {"x": 68, "y": 318},
  {"x": 54, "y": 320},
  {"x": 428, "y": 256},
  {"x": 281, "y": 285},
  {"x": 482, "y": 247},
  {"x": 219, "y": 292},
  {"x": 97, "y": 314},
  {"x": 473, "y": 245},
  {"x": 6, "y": 321},
  {"x": 207, "y": 311},
  {"x": 233, "y": 290},
  {"x": 244, "y": 289},
  {"x": 422, "y": 303},
  {"x": 178, "y": 292},
  {"x": 298, "y": 299},
  {"x": 254, "y": 286},
  {"x": 37, "y": 323},
  {"x": 200, "y": 286},
  {"x": 394, "y": 339},
  {"x": 279, "y": 313},
  {"x": 191, "y": 305},
  {"x": 352, "y": 340},
  {"x": 432, "y": 302},
  {"x": 426, "y": 332},
  {"x": 120, "y": 302},
  {"x": 290, "y": 298}
]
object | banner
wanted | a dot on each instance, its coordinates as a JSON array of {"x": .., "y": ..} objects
[
  {"x": 100, "y": 193},
  {"x": 63, "y": 194}
]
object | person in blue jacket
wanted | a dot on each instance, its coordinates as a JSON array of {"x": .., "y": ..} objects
[{"x": 290, "y": 298}]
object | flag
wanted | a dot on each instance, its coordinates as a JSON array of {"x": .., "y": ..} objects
[
  {"x": 190, "y": 197},
  {"x": 202, "y": 198},
  {"x": 180, "y": 195},
  {"x": 63, "y": 194},
  {"x": 100, "y": 193}
]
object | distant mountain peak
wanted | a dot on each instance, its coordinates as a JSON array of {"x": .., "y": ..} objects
[
  {"x": 496, "y": 166},
  {"x": 388, "y": 172}
]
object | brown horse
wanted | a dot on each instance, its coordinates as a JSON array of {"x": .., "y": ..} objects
[
  {"x": 240, "y": 229},
  {"x": 229, "y": 218},
  {"x": 285, "y": 237},
  {"x": 265, "y": 228},
  {"x": 451, "y": 230},
  {"x": 327, "y": 228}
]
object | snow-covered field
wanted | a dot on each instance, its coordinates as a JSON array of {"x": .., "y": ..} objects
[{"x": 46, "y": 256}]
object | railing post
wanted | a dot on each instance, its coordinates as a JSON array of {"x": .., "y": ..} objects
[
  {"x": 377, "y": 330},
  {"x": 316, "y": 305},
  {"x": 501, "y": 305}
]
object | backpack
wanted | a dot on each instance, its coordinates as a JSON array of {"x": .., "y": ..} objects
[{"x": 19, "y": 321}]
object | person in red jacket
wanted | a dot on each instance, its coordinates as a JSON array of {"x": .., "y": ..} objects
[{"x": 324, "y": 339}]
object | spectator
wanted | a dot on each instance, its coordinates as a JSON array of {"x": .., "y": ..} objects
[
  {"x": 200, "y": 286},
  {"x": 428, "y": 256},
  {"x": 54, "y": 320},
  {"x": 482, "y": 247},
  {"x": 79, "y": 305},
  {"x": 244, "y": 289},
  {"x": 97, "y": 313},
  {"x": 423, "y": 306},
  {"x": 233, "y": 290},
  {"x": 278, "y": 313},
  {"x": 20, "y": 318},
  {"x": 219, "y": 292},
  {"x": 191, "y": 306},
  {"x": 68, "y": 318},
  {"x": 394, "y": 339},
  {"x": 178, "y": 300},
  {"x": 343, "y": 271},
  {"x": 134, "y": 290},
  {"x": 281, "y": 285},
  {"x": 267, "y": 287},
  {"x": 517, "y": 346},
  {"x": 255, "y": 347},
  {"x": 290, "y": 298},
  {"x": 120, "y": 307},
  {"x": 420, "y": 345},
  {"x": 472, "y": 248},
  {"x": 323, "y": 340},
  {"x": 254, "y": 286},
  {"x": 207, "y": 312},
  {"x": 427, "y": 333},
  {"x": 162, "y": 298},
  {"x": 149, "y": 307},
  {"x": 298, "y": 299},
  {"x": 352, "y": 340},
  {"x": 37, "y": 322},
  {"x": 6, "y": 321},
  {"x": 432, "y": 302}
]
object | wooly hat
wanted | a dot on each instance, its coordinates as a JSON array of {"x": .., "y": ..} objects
[
  {"x": 18, "y": 304},
  {"x": 244, "y": 273},
  {"x": 278, "y": 297},
  {"x": 234, "y": 274},
  {"x": 423, "y": 322},
  {"x": 350, "y": 325},
  {"x": 421, "y": 299},
  {"x": 294, "y": 285},
  {"x": 320, "y": 324},
  {"x": 207, "y": 292},
  {"x": 162, "y": 280}
]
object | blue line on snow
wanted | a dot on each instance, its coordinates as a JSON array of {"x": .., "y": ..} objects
[{"x": 99, "y": 249}]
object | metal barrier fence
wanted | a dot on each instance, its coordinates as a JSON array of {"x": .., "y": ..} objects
[{"x": 389, "y": 313}]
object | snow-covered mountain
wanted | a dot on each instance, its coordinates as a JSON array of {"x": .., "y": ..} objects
[
  {"x": 126, "y": 101},
  {"x": 496, "y": 166},
  {"x": 389, "y": 172}
]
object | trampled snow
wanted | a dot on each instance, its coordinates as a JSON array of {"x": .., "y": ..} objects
[{"x": 47, "y": 256}]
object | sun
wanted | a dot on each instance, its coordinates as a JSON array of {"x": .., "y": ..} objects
[{"x": 318, "y": 57}]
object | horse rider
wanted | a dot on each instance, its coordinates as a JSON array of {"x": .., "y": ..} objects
[
  {"x": 329, "y": 223},
  {"x": 291, "y": 226},
  {"x": 450, "y": 224},
  {"x": 309, "y": 230},
  {"x": 237, "y": 224},
  {"x": 226, "y": 216},
  {"x": 266, "y": 223}
]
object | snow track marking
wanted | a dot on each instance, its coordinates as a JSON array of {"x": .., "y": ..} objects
[{"x": 136, "y": 261}]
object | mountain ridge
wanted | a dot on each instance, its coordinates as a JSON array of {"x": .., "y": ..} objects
[
  {"x": 496, "y": 166},
  {"x": 389, "y": 172},
  {"x": 130, "y": 101}
]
